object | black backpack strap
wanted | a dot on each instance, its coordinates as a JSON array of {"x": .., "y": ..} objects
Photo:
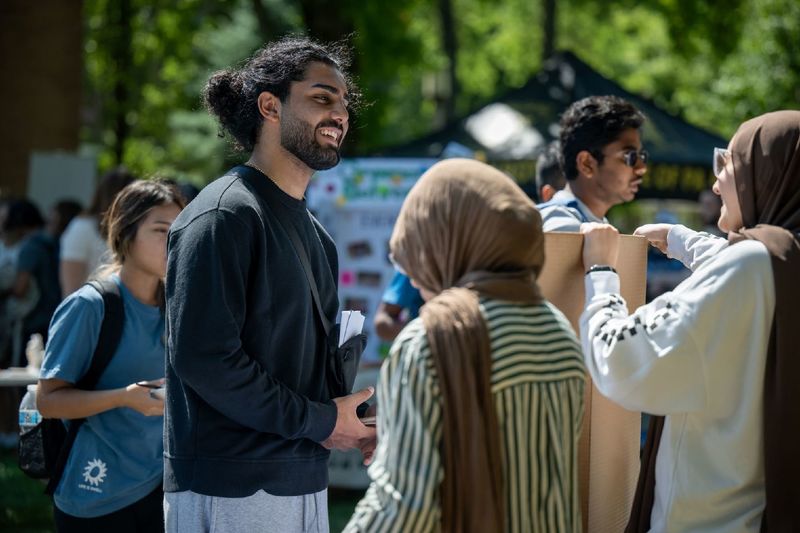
[
  {"x": 110, "y": 332},
  {"x": 312, "y": 282},
  {"x": 107, "y": 343},
  {"x": 299, "y": 249}
]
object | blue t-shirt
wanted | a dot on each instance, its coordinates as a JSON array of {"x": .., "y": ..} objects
[
  {"x": 117, "y": 458},
  {"x": 401, "y": 292}
]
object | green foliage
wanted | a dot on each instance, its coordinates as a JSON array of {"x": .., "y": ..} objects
[
  {"x": 170, "y": 56},
  {"x": 715, "y": 63},
  {"x": 23, "y": 505}
]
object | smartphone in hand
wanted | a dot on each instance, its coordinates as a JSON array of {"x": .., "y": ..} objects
[
  {"x": 368, "y": 420},
  {"x": 160, "y": 393}
]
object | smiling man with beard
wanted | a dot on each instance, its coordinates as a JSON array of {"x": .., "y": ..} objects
[
  {"x": 249, "y": 415},
  {"x": 602, "y": 159}
]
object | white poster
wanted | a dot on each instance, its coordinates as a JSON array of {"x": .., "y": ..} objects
[
  {"x": 358, "y": 202},
  {"x": 55, "y": 176}
]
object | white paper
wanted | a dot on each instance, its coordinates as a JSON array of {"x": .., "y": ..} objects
[{"x": 350, "y": 325}]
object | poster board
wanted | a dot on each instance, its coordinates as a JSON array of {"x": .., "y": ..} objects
[
  {"x": 55, "y": 176},
  {"x": 358, "y": 202},
  {"x": 608, "y": 454}
]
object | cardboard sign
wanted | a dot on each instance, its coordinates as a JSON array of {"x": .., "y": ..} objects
[{"x": 608, "y": 454}]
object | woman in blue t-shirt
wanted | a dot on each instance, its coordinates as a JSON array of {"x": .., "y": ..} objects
[{"x": 112, "y": 479}]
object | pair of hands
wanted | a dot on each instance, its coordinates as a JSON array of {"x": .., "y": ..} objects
[
  {"x": 349, "y": 431},
  {"x": 601, "y": 247}
]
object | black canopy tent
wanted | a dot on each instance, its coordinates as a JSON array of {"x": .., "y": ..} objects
[{"x": 512, "y": 130}]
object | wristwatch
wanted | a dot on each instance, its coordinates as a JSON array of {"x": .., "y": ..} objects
[{"x": 601, "y": 268}]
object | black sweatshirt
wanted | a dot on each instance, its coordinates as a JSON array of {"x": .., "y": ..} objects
[{"x": 247, "y": 402}]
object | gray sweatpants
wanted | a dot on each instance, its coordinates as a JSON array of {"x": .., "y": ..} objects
[{"x": 189, "y": 512}]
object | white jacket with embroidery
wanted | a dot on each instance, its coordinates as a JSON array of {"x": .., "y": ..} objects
[{"x": 697, "y": 355}]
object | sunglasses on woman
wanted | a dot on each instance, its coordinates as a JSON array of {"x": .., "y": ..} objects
[{"x": 721, "y": 158}]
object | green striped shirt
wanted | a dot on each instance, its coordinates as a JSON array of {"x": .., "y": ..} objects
[{"x": 537, "y": 381}]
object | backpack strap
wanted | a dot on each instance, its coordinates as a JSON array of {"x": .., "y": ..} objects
[
  {"x": 107, "y": 343},
  {"x": 110, "y": 331}
]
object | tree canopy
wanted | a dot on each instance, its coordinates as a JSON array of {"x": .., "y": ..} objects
[{"x": 421, "y": 62}]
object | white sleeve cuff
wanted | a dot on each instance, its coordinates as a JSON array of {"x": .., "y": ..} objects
[
  {"x": 676, "y": 241},
  {"x": 603, "y": 282}
]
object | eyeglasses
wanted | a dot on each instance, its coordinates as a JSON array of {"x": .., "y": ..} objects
[
  {"x": 721, "y": 158},
  {"x": 631, "y": 157}
]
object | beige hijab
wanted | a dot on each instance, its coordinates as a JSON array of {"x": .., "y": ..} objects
[{"x": 467, "y": 230}]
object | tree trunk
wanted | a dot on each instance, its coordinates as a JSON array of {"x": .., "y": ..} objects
[
  {"x": 549, "y": 40},
  {"x": 124, "y": 62},
  {"x": 450, "y": 45},
  {"x": 41, "y": 61}
]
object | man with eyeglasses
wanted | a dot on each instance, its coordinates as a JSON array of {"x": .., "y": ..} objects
[{"x": 602, "y": 159}]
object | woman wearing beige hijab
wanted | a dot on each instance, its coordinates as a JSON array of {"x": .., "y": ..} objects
[
  {"x": 718, "y": 356},
  {"x": 481, "y": 400}
]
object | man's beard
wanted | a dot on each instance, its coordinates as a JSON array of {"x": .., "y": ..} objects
[{"x": 299, "y": 139}]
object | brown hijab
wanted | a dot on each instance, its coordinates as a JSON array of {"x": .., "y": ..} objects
[
  {"x": 766, "y": 162},
  {"x": 466, "y": 230}
]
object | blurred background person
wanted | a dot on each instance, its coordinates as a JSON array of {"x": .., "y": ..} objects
[
  {"x": 26, "y": 300},
  {"x": 549, "y": 175},
  {"x": 83, "y": 243},
  {"x": 400, "y": 304},
  {"x": 710, "y": 208},
  {"x": 37, "y": 266},
  {"x": 188, "y": 190}
]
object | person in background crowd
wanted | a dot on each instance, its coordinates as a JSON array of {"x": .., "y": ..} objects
[
  {"x": 189, "y": 191},
  {"x": 710, "y": 207},
  {"x": 26, "y": 301},
  {"x": 400, "y": 304},
  {"x": 37, "y": 267},
  {"x": 112, "y": 479},
  {"x": 718, "y": 355},
  {"x": 602, "y": 160},
  {"x": 480, "y": 403},
  {"x": 549, "y": 176},
  {"x": 83, "y": 243}
]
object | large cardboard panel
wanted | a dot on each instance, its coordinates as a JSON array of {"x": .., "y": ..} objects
[{"x": 608, "y": 454}]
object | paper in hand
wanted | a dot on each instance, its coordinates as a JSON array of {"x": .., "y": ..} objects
[{"x": 351, "y": 325}]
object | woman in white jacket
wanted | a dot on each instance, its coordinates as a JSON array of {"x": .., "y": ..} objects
[{"x": 716, "y": 356}]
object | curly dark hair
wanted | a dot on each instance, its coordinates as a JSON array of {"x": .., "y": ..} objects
[
  {"x": 593, "y": 123},
  {"x": 232, "y": 95}
]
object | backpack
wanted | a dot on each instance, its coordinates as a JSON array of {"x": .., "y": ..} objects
[{"x": 44, "y": 450}]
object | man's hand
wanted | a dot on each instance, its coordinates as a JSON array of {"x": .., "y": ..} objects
[
  {"x": 656, "y": 234},
  {"x": 600, "y": 244},
  {"x": 349, "y": 432}
]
